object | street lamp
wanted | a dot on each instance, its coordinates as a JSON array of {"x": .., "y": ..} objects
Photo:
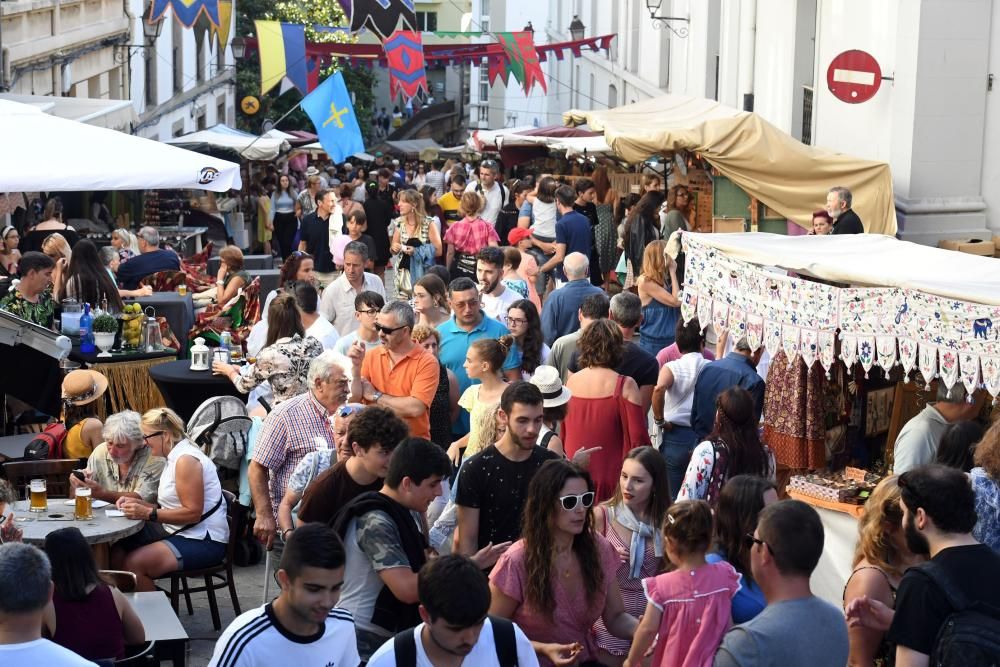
[
  {"x": 664, "y": 21},
  {"x": 239, "y": 45},
  {"x": 150, "y": 32},
  {"x": 576, "y": 28},
  {"x": 529, "y": 28}
]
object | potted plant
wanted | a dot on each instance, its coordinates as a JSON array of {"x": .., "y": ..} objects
[{"x": 105, "y": 328}]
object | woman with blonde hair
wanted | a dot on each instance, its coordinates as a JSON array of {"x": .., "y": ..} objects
[
  {"x": 658, "y": 290},
  {"x": 126, "y": 243},
  {"x": 880, "y": 560},
  {"x": 191, "y": 514},
  {"x": 414, "y": 230},
  {"x": 57, "y": 247},
  {"x": 466, "y": 237}
]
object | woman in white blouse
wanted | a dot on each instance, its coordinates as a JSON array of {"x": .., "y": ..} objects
[{"x": 191, "y": 510}]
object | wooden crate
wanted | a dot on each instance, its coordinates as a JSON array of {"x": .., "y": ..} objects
[
  {"x": 971, "y": 246},
  {"x": 728, "y": 225}
]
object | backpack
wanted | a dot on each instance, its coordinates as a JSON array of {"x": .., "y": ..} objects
[
  {"x": 503, "y": 195},
  {"x": 48, "y": 444},
  {"x": 970, "y": 635},
  {"x": 221, "y": 426},
  {"x": 405, "y": 645}
]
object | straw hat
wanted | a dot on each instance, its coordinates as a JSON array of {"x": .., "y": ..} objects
[
  {"x": 547, "y": 379},
  {"x": 80, "y": 387}
]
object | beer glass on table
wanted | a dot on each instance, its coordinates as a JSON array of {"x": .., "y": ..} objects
[
  {"x": 38, "y": 498},
  {"x": 83, "y": 509}
]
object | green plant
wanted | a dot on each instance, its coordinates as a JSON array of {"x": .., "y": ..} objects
[{"x": 105, "y": 323}]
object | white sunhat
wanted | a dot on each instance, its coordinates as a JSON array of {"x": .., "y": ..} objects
[{"x": 547, "y": 379}]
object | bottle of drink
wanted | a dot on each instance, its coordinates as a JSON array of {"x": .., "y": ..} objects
[
  {"x": 225, "y": 344},
  {"x": 86, "y": 331}
]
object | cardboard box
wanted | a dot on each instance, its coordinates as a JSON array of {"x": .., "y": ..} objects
[
  {"x": 972, "y": 246},
  {"x": 728, "y": 225}
]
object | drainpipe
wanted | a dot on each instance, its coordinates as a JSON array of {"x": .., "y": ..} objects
[{"x": 747, "y": 50}]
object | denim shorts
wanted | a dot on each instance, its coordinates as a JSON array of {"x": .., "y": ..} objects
[{"x": 195, "y": 554}]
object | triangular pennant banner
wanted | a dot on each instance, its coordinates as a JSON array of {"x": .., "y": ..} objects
[
  {"x": 185, "y": 11},
  {"x": 282, "y": 48},
  {"x": 523, "y": 58},
  {"x": 221, "y": 32},
  {"x": 404, "y": 53},
  {"x": 382, "y": 16}
]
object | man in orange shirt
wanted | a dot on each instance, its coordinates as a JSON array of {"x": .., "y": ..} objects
[{"x": 399, "y": 375}]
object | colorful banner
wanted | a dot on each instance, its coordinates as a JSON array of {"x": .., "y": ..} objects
[
  {"x": 330, "y": 109},
  {"x": 522, "y": 59},
  {"x": 282, "y": 49},
  {"x": 221, "y": 32},
  {"x": 185, "y": 11},
  {"x": 381, "y": 16},
  {"x": 404, "y": 53}
]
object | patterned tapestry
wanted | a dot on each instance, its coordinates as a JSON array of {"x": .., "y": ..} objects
[{"x": 956, "y": 341}]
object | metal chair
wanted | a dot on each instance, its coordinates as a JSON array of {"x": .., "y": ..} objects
[
  {"x": 216, "y": 577},
  {"x": 55, "y": 472}
]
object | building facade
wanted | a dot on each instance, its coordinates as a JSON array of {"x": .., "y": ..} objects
[
  {"x": 933, "y": 117},
  {"x": 181, "y": 82}
]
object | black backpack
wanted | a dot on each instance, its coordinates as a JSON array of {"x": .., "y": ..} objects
[
  {"x": 970, "y": 635},
  {"x": 405, "y": 646}
]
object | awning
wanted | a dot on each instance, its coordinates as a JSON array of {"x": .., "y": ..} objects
[
  {"x": 45, "y": 152},
  {"x": 765, "y": 162},
  {"x": 112, "y": 114},
  {"x": 407, "y": 147},
  {"x": 233, "y": 143}
]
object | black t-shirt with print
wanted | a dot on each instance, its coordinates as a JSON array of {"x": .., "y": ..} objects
[{"x": 498, "y": 488}]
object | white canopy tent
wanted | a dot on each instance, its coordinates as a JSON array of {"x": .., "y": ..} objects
[
  {"x": 223, "y": 138},
  {"x": 46, "y": 152}
]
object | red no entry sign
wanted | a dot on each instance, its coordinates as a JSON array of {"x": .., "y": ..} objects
[{"x": 854, "y": 76}]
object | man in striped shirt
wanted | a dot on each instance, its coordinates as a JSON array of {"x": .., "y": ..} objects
[
  {"x": 298, "y": 426},
  {"x": 303, "y": 626}
]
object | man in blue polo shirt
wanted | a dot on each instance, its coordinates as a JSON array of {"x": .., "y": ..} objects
[
  {"x": 738, "y": 368},
  {"x": 467, "y": 325}
]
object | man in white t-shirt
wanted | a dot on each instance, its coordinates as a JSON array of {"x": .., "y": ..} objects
[
  {"x": 25, "y": 589},
  {"x": 315, "y": 325},
  {"x": 491, "y": 190},
  {"x": 454, "y": 598},
  {"x": 496, "y": 298},
  {"x": 303, "y": 626}
]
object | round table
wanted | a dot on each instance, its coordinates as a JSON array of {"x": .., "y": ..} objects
[
  {"x": 184, "y": 389},
  {"x": 99, "y": 530}
]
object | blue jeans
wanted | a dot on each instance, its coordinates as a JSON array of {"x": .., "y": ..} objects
[
  {"x": 676, "y": 447},
  {"x": 652, "y": 344}
]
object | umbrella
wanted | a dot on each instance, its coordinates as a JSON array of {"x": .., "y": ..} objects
[{"x": 51, "y": 153}]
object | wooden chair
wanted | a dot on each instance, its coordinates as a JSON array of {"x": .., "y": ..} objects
[
  {"x": 55, "y": 472},
  {"x": 121, "y": 579},
  {"x": 216, "y": 577}
]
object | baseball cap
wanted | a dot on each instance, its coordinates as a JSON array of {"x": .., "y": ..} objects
[{"x": 517, "y": 235}]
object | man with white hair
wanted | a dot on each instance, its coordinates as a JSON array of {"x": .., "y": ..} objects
[
  {"x": 838, "y": 205},
  {"x": 559, "y": 314},
  {"x": 25, "y": 590},
  {"x": 151, "y": 259},
  {"x": 122, "y": 465},
  {"x": 293, "y": 429}
]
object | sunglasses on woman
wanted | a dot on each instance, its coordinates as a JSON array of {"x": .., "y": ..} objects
[{"x": 569, "y": 503}]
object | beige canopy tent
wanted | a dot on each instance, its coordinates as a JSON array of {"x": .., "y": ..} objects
[{"x": 768, "y": 164}]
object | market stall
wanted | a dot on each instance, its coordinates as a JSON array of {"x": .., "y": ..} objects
[
  {"x": 771, "y": 166},
  {"x": 858, "y": 309}
]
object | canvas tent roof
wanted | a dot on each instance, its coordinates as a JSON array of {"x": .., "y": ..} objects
[
  {"x": 768, "y": 164},
  {"x": 237, "y": 144},
  {"x": 112, "y": 114},
  {"x": 47, "y": 152}
]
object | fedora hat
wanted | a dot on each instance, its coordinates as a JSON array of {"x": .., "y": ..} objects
[
  {"x": 80, "y": 387},
  {"x": 547, "y": 379},
  {"x": 312, "y": 171}
]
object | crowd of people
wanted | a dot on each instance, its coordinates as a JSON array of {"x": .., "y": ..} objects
[{"x": 490, "y": 459}]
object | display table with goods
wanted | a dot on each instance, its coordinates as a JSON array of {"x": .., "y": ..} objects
[{"x": 177, "y": 309}]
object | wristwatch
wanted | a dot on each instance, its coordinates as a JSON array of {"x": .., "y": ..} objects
[
  {"x": 377, "y": 395},
  {"x": 152, "y": 515}
]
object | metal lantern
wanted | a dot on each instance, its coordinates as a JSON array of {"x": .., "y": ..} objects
[
  {"x": 152, "y": 339},
  {"x": 201, "y": 356}
]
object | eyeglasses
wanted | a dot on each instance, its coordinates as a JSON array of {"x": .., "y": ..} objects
[
  {"x": 348, "y": 410},
  {"x": 489, "y": 164},
  {"x": 569, "y": 503},
  {"x": 515, "y": 321},
  {"x": 146, "y": 438},
  {"x": 388, "y": 331},
  {"x": 370, "y": 311},
  {"x": 749, "y": 540}
]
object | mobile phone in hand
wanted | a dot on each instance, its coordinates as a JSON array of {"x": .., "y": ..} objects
[{"x": 79, "y": 475}]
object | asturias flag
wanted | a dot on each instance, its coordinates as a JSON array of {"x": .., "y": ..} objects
[{"x": 330, "y": 109}]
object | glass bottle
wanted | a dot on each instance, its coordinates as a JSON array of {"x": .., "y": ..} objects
[{"x": 87, "y": 331}]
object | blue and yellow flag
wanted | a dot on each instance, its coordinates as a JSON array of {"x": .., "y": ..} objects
[
  {"x": 282, "y": 48},
  {"x": 330, "y": 109}
]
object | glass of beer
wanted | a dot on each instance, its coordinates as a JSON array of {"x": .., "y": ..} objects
[
  {"x": 182, "y": 289},
  {"x": 83, "y": 509},
  {"x": 38, "y": 496}
]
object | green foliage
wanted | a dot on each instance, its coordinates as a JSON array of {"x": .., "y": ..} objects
[
  {"x": 105, "y": 323},
  {"x": 360, "y": 81}
]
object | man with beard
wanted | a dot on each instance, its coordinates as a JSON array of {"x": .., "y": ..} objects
[
  {"x": 796, "y": 627},
  {"x": 122, "y": 465},
  {"x": 454, "y": 598},
  {"x": 838, "y": 205},
  {"x": 939, "y": 513},
  {"x": 303, "y": 626},
  {"x": 315, "y": 238},
  {"x": 493, "y": 484},
  {"x": 495, "y": 298}
]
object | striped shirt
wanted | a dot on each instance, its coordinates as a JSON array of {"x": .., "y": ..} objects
[
  {"x": 296, "y": 427},
  {"x": 257, "y": 639}
]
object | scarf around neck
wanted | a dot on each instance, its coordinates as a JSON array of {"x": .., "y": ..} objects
[{"x": 640, "y": 533}]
